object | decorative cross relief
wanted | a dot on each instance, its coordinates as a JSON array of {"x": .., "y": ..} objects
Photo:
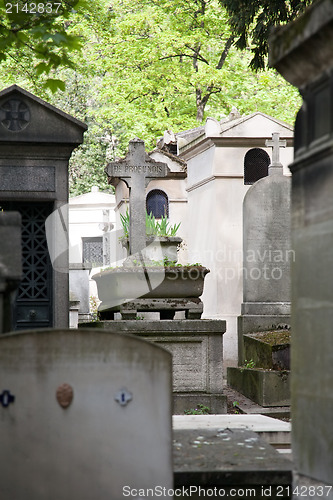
[
  {"x": 14, "y": 115},
  {"x": 276, "y": 143},
  {"x": 137, "y": 169}
]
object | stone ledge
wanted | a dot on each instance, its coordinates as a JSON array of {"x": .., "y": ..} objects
[{"x": 167, "y": 327}]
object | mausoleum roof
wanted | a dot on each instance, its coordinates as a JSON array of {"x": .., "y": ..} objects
[
  {"x": 15, "y": 88},
  {"x": 26, "y": 118},
  {"x": 235, "y": 127}
]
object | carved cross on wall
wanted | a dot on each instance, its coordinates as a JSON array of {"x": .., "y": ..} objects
[
  {"x": 14, "y": 115},
  {"x": 137, "y": 169},
  {"x": 276, "y": 143}
]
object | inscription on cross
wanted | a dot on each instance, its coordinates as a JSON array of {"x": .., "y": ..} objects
[
  {"x": 276, "y": 143},
  {"x": 137, "y": 169}
]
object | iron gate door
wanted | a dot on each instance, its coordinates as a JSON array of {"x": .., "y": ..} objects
[{"x": 33, "y": 304}]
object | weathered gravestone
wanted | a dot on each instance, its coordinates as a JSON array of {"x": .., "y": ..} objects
[
  {"x": 36, "y": 141},
  {"x": 267, "y": 253},
  {"x": 137, "y": 169},
  {"x": 84, "y": 415},
  {"x": 267, "y": 257},
  {"x": 302, "y": 53},
  {"x": 10, "y": 265}
]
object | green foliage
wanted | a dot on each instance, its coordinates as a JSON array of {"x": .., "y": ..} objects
[
  {"x": 249, "y": 364},
  {"x": 251, "y": 21},
  {"x": 88, "y": 161},
  {"x": 235, "y": 404},
  {"x": 199, "y": 410},
  {"x": 173, "y": 64},
  {"x": 154, "y": 227},
  {"x": 38, "y": 32},
  {"x": 93, "y": 302},
  {"x": 125, "y": 222}
]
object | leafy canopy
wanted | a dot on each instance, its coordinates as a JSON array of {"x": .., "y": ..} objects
[
  {"x": 251, "y": 22},
  {"x": 37, "y": 33},
  {"x": 168, "y": 64},
  {"x": 146, "y": 66}
]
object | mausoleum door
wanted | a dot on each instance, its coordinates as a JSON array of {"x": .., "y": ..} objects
[{"x": 33, "y": 304}]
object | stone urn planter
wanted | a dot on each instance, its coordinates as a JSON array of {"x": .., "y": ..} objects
[
  {"x": 158, "y": 247},
  {"x": 150, "y": 287}
]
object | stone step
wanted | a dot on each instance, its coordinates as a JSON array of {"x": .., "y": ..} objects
[{"x": 275, "y": 432}]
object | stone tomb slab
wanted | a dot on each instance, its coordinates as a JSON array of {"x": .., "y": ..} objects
[
  {"x": 83, "y": 413},
  {"x": 274, "y": 431},
  {"x": 230, "y": 460}
]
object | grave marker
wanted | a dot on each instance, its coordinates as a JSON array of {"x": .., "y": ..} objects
[
  {"x": 83, "y": 414},
  {"x": 137, "y": 169},
  {"x": 267, "y": 253}
]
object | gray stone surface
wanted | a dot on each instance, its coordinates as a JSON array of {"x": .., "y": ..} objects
[
  {"x": 14, "y": 178},
  {"x": 267, "y": 247},
  {"x": 116, "y": 431},
  {"x": 36, "y": 141},
  {"x": 307, "y": 61},
  {"x": 265, "y": 387},
  {"x": 273, "y": 431},
  {"x": 231, "y": 460},
  {"x": 197, "y": 356},
  {"x": 10, "y": 265},
  {"x": 269, "y": 350},
  {"x": 137, "y": 169},
  {"x": 79, "y": 284},
  {"x": 301, "y": 51}
]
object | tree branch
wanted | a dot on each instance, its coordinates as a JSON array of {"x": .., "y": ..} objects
[
  {"x": 198, "y": 57},
  {"x": 225, "y": 52}
]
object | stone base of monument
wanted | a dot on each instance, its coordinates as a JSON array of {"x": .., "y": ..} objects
[
  {"x": 264, "y": 377},
  {"x": 197, "y": 357},
  {"x": 193, "y": 308},
  {"x": 258, "y": 323},
  {"x": 270, "y": 349},
  {"x": 264, "y": 387}
]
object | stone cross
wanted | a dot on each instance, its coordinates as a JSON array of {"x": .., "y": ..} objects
[
  {"x": 137, "y": 169},
  {"x": 275, "y": 143}
]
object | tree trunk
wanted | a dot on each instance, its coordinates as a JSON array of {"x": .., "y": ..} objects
[{"x": 200, "y": 105}]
